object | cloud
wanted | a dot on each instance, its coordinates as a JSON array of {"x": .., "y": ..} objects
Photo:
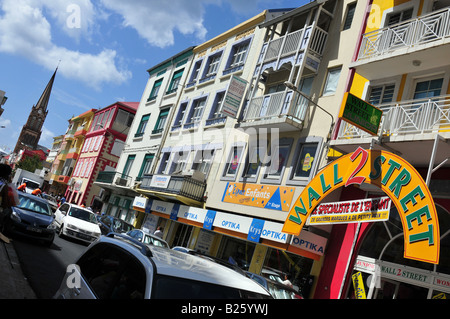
[
  {"x": 46, "y": 137},
  {"x": 156, "y": 23},
  {"x": 27, "y": 32}
]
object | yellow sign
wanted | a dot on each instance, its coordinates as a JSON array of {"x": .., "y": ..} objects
[
  {"x": 256, "y": 195},
  {"x": 358, "y": 285},
  {"x": 397, "y": 178}
]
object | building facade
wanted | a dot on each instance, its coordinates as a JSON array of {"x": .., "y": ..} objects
[
  {"x": 103, "y": 143},
  {"x": 399, "y": 66}
]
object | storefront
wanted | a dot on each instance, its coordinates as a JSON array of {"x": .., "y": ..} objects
[
  {"x": 253, "y": 244},
  {"x": 404, "y": 256}
]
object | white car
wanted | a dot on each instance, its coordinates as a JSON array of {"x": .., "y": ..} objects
[{"x": 77, "y": 222}]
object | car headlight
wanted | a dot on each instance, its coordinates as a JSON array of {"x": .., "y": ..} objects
[
  {"x": 52, "y": 226},
  {"x": 15, "y": 217}
]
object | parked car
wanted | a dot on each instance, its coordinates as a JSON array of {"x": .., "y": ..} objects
[
  {"x": 32, "y": 218},
  {"x": 51, "y": 201},
  {"x": 109, "y": 224},
  {"x": 119, "y": 267},
  {"x": 276, "y": 289},
  {"x": 77, "y": 222},
  {"x": 147, "y": 238}
]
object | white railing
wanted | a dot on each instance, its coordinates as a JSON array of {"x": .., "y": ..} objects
[
  {"x": 292, "y": 42},
  {"x": 407, "y": 117},
  {"x": 424, "y": 29},
  {"x": 275, "y": 105}
]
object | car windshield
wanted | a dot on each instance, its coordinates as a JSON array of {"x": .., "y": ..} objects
[
  {"x": 121, "y": 226},
  {"x": 83, "y": 214},
  {"x": 154, "y": 241},
  {"x": 31, "y": 184},
  {"x": 34, "y": 205}
]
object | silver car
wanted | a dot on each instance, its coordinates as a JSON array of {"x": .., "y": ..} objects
[{"x": 119, "y": 267}]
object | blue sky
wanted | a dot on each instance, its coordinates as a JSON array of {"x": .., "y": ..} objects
[{"x": 105, "y": 48}]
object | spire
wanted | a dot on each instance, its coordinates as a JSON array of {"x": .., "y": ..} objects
[{"x": 45, "y": 97}]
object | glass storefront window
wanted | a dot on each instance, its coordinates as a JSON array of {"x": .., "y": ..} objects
[{"x": 236, "y": 251}]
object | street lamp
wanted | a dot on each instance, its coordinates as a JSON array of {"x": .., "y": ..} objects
[{"x": 291, "y": 86}]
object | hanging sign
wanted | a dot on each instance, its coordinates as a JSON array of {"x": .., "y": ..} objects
[
  {"x": 233, "y": 96},
  {"x": 360, "y": 113},
  {"x": 358, "y": 285},
  {"x": 357, "y": 211},
  {"x": 393, "y": 175}
]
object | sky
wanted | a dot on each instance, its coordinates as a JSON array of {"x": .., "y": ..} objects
[{"x": 102, "y": 48}]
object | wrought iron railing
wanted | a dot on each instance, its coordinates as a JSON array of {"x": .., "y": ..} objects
[
  {"x": 430, "y": 115},
  {"x": 178, "y": 185},
  {"x": 407, "y": 34}
]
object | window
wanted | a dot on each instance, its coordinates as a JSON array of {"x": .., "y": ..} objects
[
  {"x": 163, "y": 165},
  {"x": 253, "y": 162},
  {"x": 237, "y": 56},
  {"x": 332, "y": 81},
  {"x": 142, "y": 125},
  {"x": 179, "y": 160},
  {"x": 232, "y": 165},
  {"x": 280, "y": 151},
  {"x": 162, "y": 118},
  {"x": 128, "y": 164},
  {"x": 155, "y": 90},
  {"x": 427, "y": 89},
  {"x": 215, "y": 116},
  {"x": 123, "y": 121},
  {"x": 305, "y": 160},
  {"x": 173, "y": 86},
  {"x": 146, "y": 165},
  {"x": 106, "y": 269},
  {"x": 349, "y": 17},
  {"x": 381, "y": 94},
  {"x": 212, "y": 66},
  {"x": 196, "y": 111},
  {"x": 180, "y": 115},
  {"x": 398, "y": 17},
  {"x": 203, "y": 161},
  {"x": 195, "y": 72}
]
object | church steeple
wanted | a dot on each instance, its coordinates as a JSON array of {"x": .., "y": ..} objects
[{"x": 32, "y": 130}]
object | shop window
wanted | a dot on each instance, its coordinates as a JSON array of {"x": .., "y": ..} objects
[
  {"x": 305, "y": 160},
  {"x": 233, "y": 162},
  {"x": 279, "y": 155}
]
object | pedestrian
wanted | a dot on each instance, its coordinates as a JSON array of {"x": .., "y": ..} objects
[
  {"x": 8, "y": 193},
  {"x": 159, "y": 232},
  {"x": 287, "y": 282},
  {"x": 37, "y": 192},
  {"x": 22, "y": 187}
]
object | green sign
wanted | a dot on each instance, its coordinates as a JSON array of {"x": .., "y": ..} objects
[{"x": 360, "y": 113}]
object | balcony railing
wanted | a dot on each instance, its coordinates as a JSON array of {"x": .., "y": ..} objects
[
  {"x": 276, "y": 105},
  {"x": 114, "y": 178},
  {"x": 408, "y": 117},
  {"x": 407, "y": 34},
  {"x": 177, "y": 185},
  {"x": 291, "y": 43}
]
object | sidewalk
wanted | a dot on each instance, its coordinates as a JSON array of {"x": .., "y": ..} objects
[{"x": 13, "y": 284}]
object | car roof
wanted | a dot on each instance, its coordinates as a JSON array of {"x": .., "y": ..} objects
[
  {"x": 178, "y": 264},
  {"x": 79, "y": 207}
]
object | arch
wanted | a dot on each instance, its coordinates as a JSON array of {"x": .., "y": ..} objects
[{"x": 396, "y": 178}]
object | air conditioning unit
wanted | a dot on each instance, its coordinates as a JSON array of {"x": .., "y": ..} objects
[{"x": 121, "y": 181}]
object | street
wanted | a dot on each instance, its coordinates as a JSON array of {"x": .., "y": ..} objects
[{"x": 44, "y": 267}]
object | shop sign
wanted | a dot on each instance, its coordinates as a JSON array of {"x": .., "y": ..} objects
[
  {"x": 358, "y": 285},
  {"x": 233, "y": 96},
  {"x": 400, "y": 182},
  {"x": 360, "y": 113},
  {"x": 209, "y": 219},
  {"x": 194, "y": 214},
  {"x": 272, "y": 231},
  {"x": 255, "y": 230},
  {"x": 405, "y": 273},
  {"x": 160, "y": 181},
  {"x": 357, "y": 211},
  {"x": 257, "y": 195},
  {"x": 310, "y": 242},
  {"x": 162, "y": 207},
  {"x": 139, "y": 203},
  {"x": 232, "y": 222}
]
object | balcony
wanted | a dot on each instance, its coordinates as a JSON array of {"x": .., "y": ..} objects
[
  {"x": 276, "y": 110},
  {"x": 291, "y": 47},
  {"x": 185, "y": 189},
  {"x": 114, "y": 179},
  {"x": 395, "y": 49},
  {"x": 407, "y": 127}
]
